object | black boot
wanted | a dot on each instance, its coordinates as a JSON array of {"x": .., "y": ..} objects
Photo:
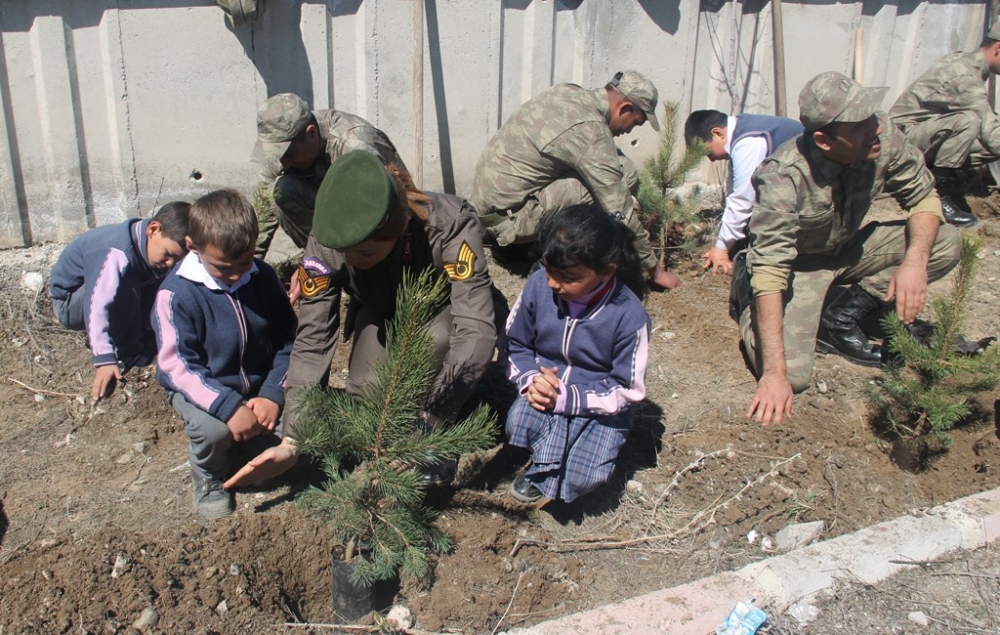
[
  {"x": 740, "y": 292},
  {"x": 955, "y": 213},
  {"x": 839, "y": 330}
]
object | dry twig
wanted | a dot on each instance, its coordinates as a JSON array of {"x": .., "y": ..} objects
[
  {"x": 520, "y": 576},
  {"x": 697, "y": 463},
  {"x": 39, "y": 391}
]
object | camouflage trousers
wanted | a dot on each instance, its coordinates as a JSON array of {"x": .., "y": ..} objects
[
  {"x": 951, "y": 140},
  {"x": 870, "y": 260},
  {"x": 521, "y": 225}
]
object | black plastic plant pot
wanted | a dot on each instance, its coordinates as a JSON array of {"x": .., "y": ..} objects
[{"x": 351, "y": 602}]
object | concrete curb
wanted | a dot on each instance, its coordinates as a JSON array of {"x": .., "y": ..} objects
[{"x": 866, "y": 555}]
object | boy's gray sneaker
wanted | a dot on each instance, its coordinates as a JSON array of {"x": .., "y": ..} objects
[{"x": 210, "y": 500}]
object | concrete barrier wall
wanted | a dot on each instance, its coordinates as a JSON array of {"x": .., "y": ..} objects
[{"x": 110, "y": 107}]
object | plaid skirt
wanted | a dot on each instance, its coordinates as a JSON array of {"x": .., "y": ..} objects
[{"x": 570, "y": 455}]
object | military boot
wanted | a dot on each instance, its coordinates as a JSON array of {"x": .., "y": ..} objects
[
  {"x": 740, "y": 291},
  {"x": 839, "y": 330},
  {"x": 955, "y": 213}
]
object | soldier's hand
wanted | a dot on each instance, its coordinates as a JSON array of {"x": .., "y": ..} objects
[
  {"x": 718, "y": 260},
  {"x": 294, "y": 288},
  {"x": 666, "y": 279},
  {"x": 773, "y": 399},
  {"x": 269, "y": 463},
  {"x": 909, "y": 286}
]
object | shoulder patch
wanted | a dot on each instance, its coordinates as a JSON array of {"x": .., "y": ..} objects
[
  {"x": 463, "y": 267},
  {"x": 316, "y": 265},
  {"x": 314, "y": 277}
]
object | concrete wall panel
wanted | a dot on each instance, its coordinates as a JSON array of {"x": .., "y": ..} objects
[{"x": 109, "y": 107}]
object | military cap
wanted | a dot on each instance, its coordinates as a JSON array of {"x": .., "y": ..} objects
[
  {"x": 833, "y": 96},
  {"x": 640, "y": 91},
  {"x": 279, "y": 120},
  {"x": 994, "y": 32},
  {"x": 357, "y": 197}
]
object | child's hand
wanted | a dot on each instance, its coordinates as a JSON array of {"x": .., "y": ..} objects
[
  {"x": 243, "y": 424},
  {"x": 544, "y": 390},
  {"x": 105, "y": 378},
  {"x": 266, "y": 412}
]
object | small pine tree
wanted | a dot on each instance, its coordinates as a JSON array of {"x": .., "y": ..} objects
[
  {"x": 377, "y": 509},
  {"x": 927, "y": 387},
  {"x": 665, "y": 216}
]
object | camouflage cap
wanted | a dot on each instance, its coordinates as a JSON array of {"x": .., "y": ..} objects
[
  {"x": 641, "y": 92},
  {"x": 357, "y": 197},
  {"x": 279, "y": 120},
  {"x": 833, "y": 96},
  {"x": 994, "y": 32}
]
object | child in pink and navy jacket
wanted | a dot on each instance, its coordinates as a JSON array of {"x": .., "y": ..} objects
[
  {"x": 578, "y": 345},
  {"x": 225, "y": 330}
]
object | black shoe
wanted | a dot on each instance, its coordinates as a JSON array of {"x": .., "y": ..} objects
[
  {"x": 740, "y": 291},
  {"x": 955, "y": 215},
  {"x": 956, "y": 211},
  {"x": 524, "y": 490},
  {"x": 839, "y": 330},
  {"x": 441, "y": 473}
]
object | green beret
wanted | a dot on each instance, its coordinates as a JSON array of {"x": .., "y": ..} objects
[{"x": 356, "y": 197}]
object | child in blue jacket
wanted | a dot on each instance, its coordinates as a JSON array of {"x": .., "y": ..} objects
[
  {"x": 225, "y": 330},
  {"x": 104, "y": 283},
  {"x": 578, "y": 345}
]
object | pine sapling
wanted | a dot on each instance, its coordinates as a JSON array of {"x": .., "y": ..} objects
[
  {"x": 666, "y": 216},
  {"x": 929, "y": 385},
  {"x": 376, "y": 510}
]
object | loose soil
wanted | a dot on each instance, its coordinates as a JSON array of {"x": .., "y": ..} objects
[{"x": 96, "y": 520}]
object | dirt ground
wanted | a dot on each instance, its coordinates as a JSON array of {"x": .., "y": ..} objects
[{"x": 97, "y": 526}]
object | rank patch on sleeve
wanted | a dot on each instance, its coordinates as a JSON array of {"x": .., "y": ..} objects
[
  {"x": 314, "y": 277},
  {"x": 463, "y": 267}
]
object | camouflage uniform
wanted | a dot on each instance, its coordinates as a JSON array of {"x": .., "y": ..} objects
[
  {"x": 555, "y": 151},
  {"x": 809, "y": 227},
  {"x": 450, "y": 241},
  {"x": 947, "y": 114},
  {"x": 295, "y": 190}
]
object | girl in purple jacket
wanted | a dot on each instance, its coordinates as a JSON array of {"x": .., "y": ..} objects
[{"x": 578, "y": 345}]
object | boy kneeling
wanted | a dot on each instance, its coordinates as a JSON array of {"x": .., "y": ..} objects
[{"x": 225, "y": 330}]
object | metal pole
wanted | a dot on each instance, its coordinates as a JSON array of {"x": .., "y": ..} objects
[{"x": 779, "y": 59}]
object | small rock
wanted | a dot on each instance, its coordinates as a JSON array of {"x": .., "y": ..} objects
[
  {"x": 803, "y": 613},
  {"x": 399, "y": 618},
  {"x": 766, "y": 544},
  {"x": 209, "y": 572},
  {"x": 633, "y": 487},
  {"x": 121, "y": 562},
  {"x": 147, "y": 621},
  {"x": 674, "y": 396},
  {"x": 234, "y": 569},
  {"x": 821, "y": 387},
  {"x": 222, "y": 608},
  {"x": 124, "y": 458},
  {"x": 139, "y": 447},
  {"x": 667, "y": 335},
  {"x": 39, "y": 398},
  {"x": 32, "y": 282},
  {"x": 918, "y": 617},
  {"x": 46, "y": 574},
  {"x": 991, "y": 279},
  {"x": 997, "y": 252},
  {"x": 753, "y": 536},
  {"x": 798, "y": 535}
]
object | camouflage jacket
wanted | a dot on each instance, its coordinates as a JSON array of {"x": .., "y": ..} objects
[
  {"x": 956, "y": 82},
  {"x": 343, "y": 133},
  {"x": 450, "y": 241},
  {"x": 561, "y": 132},
  {"x": 809, "y": 206}
]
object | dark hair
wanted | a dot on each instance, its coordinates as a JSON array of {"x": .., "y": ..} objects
[
  {"x": 173, "y": 220},
  {"x": 224, "y": 219},
  {"x": 587, "y": 235},
  {"x": 699, "y": 125},
  {"x": 987, "y": 42}
]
